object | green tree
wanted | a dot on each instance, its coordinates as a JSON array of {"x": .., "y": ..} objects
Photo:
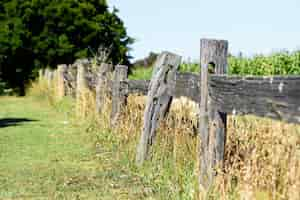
[{"x": 39, "y": 33}]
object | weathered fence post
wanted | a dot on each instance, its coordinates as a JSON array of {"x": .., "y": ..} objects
[
  {"x": 212, "y": 132},
  {"x": 158, "y": 101},
  {"x": 49, "y": 77},
  {"x": 61, "y": 88},
  {"x": 41, "y": 74},
  {"x": 118, "y": 97},
  {"x": 102, "y": 84},
  {"x": 46, "y": 73},
  {"x": 81, "y": 87}
]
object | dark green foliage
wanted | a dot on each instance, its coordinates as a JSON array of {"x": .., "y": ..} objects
[
  {"x": 2, "y": 87},
  {"x": 39, "y": 33}
]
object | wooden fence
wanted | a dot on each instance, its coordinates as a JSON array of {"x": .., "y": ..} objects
[{"x": 217, "y": 94}]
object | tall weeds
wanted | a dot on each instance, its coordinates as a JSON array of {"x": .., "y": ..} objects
[
  {"x": 262, "y": 158},
  {"x": 44, "y": 88},
  {"x": 262, "y": 155}
]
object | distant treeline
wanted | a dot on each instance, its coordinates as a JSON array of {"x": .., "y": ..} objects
[{"x": 35, "y": 34}]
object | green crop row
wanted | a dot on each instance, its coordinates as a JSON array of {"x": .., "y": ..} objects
[{"x": 283, "y": 63}]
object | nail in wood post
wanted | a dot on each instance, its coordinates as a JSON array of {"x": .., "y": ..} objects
[
  {"x": 102, "y": 85},
  {"x": 212, "y": 131},
  {"x": 61, "y": 88},
  {"x": 118, "y": 97},
  {"x": 80, "y": 89},
  {"x": 158, "y": 101}
]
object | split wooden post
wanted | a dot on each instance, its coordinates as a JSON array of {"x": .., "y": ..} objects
[
  {"x": 81, "y": 87},
  {"x": 61, "y": 88},
  {"x": 212, "y": 131},
  {"x": 159, "y": 98},
  {"x": 118, "y": 97},
  {"x": 103, "y": 77}
]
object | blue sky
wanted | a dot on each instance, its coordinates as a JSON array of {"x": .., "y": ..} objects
[{"x": 252, "y": 26}]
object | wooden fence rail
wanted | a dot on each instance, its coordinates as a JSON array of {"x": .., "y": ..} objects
[
  {"x": 217, "y": 94},
  {"x": 276, "y": 97}
]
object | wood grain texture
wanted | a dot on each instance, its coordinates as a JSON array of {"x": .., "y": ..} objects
[
  {"x": 118, "y": 97},
  {"x": 102, "y": 88},
  {"x": 61, "y": 86},
  {"x": 158, "y": 102},
  {"x": 70, "y": 78},
  {"x": 184, "y": 85},
  {"x": 187, "y": 85},
  {"x": 80, "y": 90},
  {"x": 212, "y": 129},
  {"x": 135, "y": 87},
  {"x": 276, "y": 97}
]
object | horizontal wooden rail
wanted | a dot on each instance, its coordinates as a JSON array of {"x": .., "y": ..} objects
[
  {"x": 276, "y": 97},
  {"x": 135, "y": 86},
  {"x": 187, "y": 85}
]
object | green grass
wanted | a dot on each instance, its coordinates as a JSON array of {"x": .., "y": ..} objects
[
  {"x": 141, "y": 73},
  {"x": 47, "y": 158},
  {"x": 55, "y": 156}
]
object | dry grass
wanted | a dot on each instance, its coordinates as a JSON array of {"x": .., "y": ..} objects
[
  {"x": 44, "y": 88},
  {"x": 262, "y": 159},
  {"x": 262, "y": 155},
  {"x": 85, "y": 104}
]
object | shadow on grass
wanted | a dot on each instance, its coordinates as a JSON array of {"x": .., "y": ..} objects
[{"x": 6, "y": 122}]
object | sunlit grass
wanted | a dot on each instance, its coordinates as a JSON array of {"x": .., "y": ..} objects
[{"x": 262, "y": 156}]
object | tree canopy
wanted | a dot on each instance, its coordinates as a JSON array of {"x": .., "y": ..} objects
[{"x": 39, "y": 33}]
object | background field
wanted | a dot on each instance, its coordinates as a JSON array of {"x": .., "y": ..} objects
[{"x": 281, "y": 63}]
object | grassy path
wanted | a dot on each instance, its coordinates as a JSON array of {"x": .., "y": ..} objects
[
  {"x": 46, "y": 154},
  {"x": 42, "y": 154}
]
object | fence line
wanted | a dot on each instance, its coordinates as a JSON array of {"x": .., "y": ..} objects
[{"x": 217, "y": 94}]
